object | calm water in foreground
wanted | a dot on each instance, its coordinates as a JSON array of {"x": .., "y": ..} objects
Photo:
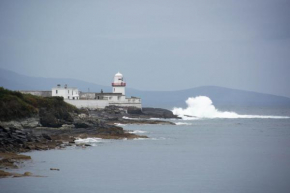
[{"x": 209, "y": 155}]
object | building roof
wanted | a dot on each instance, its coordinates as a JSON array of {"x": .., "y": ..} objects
[
  {"x": 109, "y": 93},
  {"x": 58, "y": 88},
  {"x": 102, "y": 94},
  {"x": 118, "y": 74}
]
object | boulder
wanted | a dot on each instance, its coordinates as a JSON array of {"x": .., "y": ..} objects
[
  {"x": 159, "y": 113},
  {"x": 54, "y": 117},
  {"x": 134, "y": 110},
  {"x": 30, "y": 122},
  {"x": 45, "y": 136},
  {"x": 14, "y": 124},
  {"x": 81, "y": 125}
]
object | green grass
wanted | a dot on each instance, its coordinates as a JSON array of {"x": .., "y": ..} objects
[{"x": 15, "y": 105}]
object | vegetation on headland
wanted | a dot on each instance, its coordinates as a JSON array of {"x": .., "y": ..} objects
[{"x": 15, "y": 105}]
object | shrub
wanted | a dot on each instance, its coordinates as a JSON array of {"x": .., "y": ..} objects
[{"x": 15, "y": 105}]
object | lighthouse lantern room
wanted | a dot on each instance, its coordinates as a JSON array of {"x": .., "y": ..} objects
[{"x": 119, "y": 84}]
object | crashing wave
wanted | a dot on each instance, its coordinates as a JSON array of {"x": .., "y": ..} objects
[{"x": 202, "y": 107}]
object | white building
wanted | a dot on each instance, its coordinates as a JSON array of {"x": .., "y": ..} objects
[
  {"x": 101, "y": 100},
  {"x": 93, "y": 100},
  {"x": 119, "y": 84},
  {"x": 68, "y": 93}
]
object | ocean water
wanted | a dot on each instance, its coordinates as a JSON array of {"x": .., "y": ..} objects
[{"x": 204, "y": 155}]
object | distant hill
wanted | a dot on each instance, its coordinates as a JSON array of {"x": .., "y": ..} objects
[
  {"x": 165, "y": 99},
  {"x": 219, "y": 96},
  {"x": 15, "y": 81}
]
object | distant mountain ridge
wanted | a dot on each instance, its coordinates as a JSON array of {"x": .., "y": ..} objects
[
  {"x": 164, "y": 99},
  {"x": 15, "y": 81},
  {"x": 219, "y": 96}
]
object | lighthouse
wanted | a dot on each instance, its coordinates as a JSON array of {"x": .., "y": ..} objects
[{"x": 119, "y": 84}]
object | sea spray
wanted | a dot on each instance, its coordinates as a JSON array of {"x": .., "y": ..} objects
[
  {"x": 202, "y": 107},
  {"x": 92, "y": 141},
  {"x": 137, "y": 132},
  {"x": 182, "y": 123}
]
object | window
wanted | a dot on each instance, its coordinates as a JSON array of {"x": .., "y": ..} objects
[
  {"x": 55, "y": 91},
  {"x": 72, "y": 92},
  {"x": 68, "y": 91},
  {"x": 68, "y": 97}
]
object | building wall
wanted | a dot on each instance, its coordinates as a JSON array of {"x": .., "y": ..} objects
[
  {"x": 91, "y": 104},
  {"x": 127, "y": 102},
  {"x": 123, "y": 104},
  {"x": 87, "y": 95},
  {"x": 100, "y": 104},
  {"x": 119, "y": 89},
  {"x": 66, "y": 93},
  {"x": 115, "y": 98}
]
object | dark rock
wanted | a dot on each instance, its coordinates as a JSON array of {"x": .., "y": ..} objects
[
  {"x": 56, "y": 169},
  {"x": 134, "y": 110},
  {"x": 47, "y": 119},
  {"x": 148, "y": 112},
  {"x": 45, "y": 136},
  {"x": 159, "y": 113},
  {"x": 55, "y": 117},
  {"x": 81, "y": 125}
]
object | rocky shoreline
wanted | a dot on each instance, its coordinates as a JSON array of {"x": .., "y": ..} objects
[
  {"x": 29, "y": 123},
  {"x": 57, "y": 128}
]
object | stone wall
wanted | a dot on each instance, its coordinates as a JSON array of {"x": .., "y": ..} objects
[
  {"x": 127, "y": 104},
  {"x": 100, "y": 104},
  {"x": 90, "y": 104},
  {"x": 87, "y": 95}
]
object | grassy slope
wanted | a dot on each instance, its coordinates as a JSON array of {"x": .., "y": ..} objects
[{"x": 15, "y": 105}]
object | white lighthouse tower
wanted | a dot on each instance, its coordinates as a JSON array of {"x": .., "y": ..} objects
[{"x": 119, "y": 84}]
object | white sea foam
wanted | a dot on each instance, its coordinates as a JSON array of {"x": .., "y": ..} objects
[
  {"x": 130, "y": 118},
  {"x": 159, "y": 138},
  {"x": 202, "y": 107},
  {"x": 120, "y": 124},
  {"x": 137, "y": 131},
  {"x": 155, "y": 118},
  {"x": 153, "y": 138},
  {"x": 91, "y": 141},
  {"x": 140, "y": 138},
  {"x": 163, "y": 119},
  {"x": 182, "y": 123}
]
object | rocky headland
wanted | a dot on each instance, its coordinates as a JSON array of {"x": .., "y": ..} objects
[
  {"x": 113, "y": 115},
  {"x": 30, "y": 122}
]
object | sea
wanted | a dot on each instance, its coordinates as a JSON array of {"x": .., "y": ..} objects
[{"x": 202, "y": 154}]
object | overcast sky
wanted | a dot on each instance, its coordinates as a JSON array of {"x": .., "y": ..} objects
[{"x": 157, "y": 45}]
